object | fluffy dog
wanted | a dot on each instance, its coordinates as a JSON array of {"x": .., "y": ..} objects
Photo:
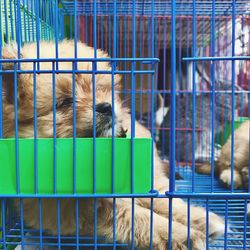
[
  {"x": 241, "y": 159},
  {"x": 84, "y": 128}
]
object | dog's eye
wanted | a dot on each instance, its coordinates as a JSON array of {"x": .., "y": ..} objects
[
  {"x": 101, "y": 88},
  {"x": 65, "y": 103}
]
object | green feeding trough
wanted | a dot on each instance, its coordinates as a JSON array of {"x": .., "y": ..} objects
[{"x": 45, "y": 170}]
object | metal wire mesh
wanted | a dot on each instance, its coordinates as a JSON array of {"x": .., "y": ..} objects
[{"x": 201, "y": 80}]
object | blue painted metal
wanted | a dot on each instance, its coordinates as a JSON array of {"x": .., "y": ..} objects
[{"x": 137, "y": 71}]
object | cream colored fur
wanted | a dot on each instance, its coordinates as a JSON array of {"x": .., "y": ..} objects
[
  {"x": 241, "y": 159},
  {"x": 84, "y": 122}
]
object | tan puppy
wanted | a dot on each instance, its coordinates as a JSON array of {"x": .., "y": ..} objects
[
  {"x": 84, "y": 128},
  {"x": 241, "y": 158}
]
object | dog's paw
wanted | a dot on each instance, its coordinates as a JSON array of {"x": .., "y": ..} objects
[
  {"x": 225, "y": 177},
  {"x": 197, "y": 241},
  {"x": 245, "y": 177},
  {"x": 216, "y": 226}
]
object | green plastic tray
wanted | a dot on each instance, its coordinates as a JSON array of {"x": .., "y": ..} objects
[{"x": 84, "y": 166}]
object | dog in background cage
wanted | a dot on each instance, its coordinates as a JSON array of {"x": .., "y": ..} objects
[
  {"x": 241, "y": 160},
  {"x": 84, "y": 128}
]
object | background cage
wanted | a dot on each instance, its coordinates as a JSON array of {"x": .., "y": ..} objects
[{"x": 202, "y": 41}]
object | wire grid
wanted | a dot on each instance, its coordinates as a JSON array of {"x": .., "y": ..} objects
[
  {"x": 235, "y": 209},
  {"x": 30, "y": 19},
  {"x": 144, "y": 10},
  {"x": 162, "y": 8}
]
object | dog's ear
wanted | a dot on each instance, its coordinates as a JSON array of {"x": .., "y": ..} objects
[{"x": 9, "y": 52}]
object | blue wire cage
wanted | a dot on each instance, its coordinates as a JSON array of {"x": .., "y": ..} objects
[{"x": 185, "y": 77}]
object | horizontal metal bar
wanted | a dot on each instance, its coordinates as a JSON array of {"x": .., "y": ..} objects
[
  {"x": 103, "y": 72},
  {"x": 53, "y": 196},
  {"x": 222, "y": 195},
  {"x": 217, "y": 58},
  {"x": 79, "y": 59}
]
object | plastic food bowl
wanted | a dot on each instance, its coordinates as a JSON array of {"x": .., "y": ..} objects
[{"x": 58, "y": 176}]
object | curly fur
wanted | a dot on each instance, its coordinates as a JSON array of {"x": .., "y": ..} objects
[{"x": 241, "y": 159}]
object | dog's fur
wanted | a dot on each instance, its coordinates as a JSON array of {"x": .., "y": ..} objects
[
  {"x": 84, "y": 111},
  {"x": 241, "y": 159}
]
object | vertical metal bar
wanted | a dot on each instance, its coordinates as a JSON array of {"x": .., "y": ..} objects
[
  {"x": 226, "y": 225},
  {"x": 22, "y": 224},
  {"x": 203, "y": 118},
  {"x": 56, "y": 33},
  {"x": 37, "y": 33},
  {"x": 152, "y": 122},
  {"x": 3, "y": 208},
  {"x": 94, "y": 68},
  {"x": 18, "y": 32},
  {"x": 113, "y": 98},
  {"x": 213, "y": 33},
  {"x": 233, "y": 92},
  {"x": 75, "y": 29},
  {"x": 187, "y": 133},
  {"x": 74, "y": 124},
  {"x": 172, "y": 118},
  {"x": 172, "y": 97},
  {"x": 218, "y": 96},
  {"x": 16, "y": 129},
  {"x": 58, "y": 224},
  {"x": 113, "y": 121},
  {"x": 125, "y": 82},
  {"x": 164, "y": 85},
  {"x": 227, "y": 95},
  {"x": 207, "y": 225},
  {"x": 133, "y": 86},
  {"x": 188, "y": 223},
  {"x": 54, "y": 129},
  {"x": 179, "y": 133},
  {"x": 77, "y": 224},
  {"x": 193, "y": 93},
  {"x": 141, "y": 49},
  {"x": 35, "y": 129},
  {"x": 40, "y": 224}
]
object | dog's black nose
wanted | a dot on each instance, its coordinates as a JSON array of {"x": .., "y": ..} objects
[{"x": 104, "y": 108}]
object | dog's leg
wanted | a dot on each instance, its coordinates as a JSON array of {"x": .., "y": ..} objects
[
  {"x": 180, "y": 214},
  {"x": 225, "y": 177},
  {"x": 142, "y": 227},
  {"x": 245, "y": 177},
  {"x": 197, "y": 215}
]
